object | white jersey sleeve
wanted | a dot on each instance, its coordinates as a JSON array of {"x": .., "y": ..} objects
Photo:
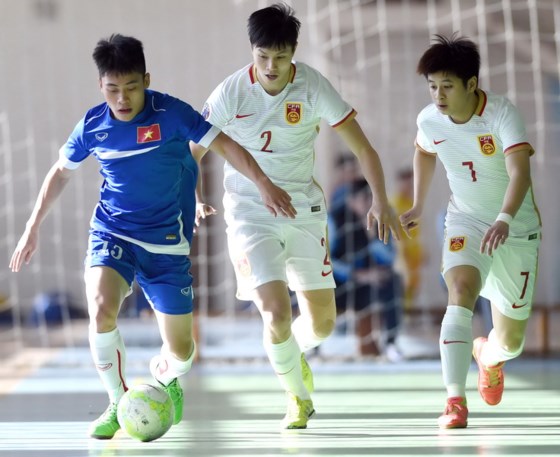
[
  {"x": 510, "y": 126},
  {"x": 330, "y": 105},
  {"x": 217, "y": 108}
]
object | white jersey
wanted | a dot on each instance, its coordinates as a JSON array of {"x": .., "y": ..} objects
[
  {"x": 473, "y": 155},
  {"x": 279, "y": 131}
]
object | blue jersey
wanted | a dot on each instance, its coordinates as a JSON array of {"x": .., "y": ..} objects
[{"x": 148, "y": 193}]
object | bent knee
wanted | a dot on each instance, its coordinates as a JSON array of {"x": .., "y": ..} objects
[
  {"x": 514, "y": 344},
  {"x": 324, "y": 327},
  {"x": 462, "y": 291},
  {"x": 102, "y": 313}
]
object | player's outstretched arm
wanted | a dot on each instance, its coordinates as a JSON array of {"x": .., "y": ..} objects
[
  {"x": 519, "y": 172},
  {"x": 276, "y": 200},
  {"x": 54, "y": 183},
  {"x": 424, "y": 167},
  {"x": 381, "y": 210},
  {"x": 202, "y": 209}
]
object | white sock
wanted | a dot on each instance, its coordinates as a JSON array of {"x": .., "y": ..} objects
[
  {"x": 302, "y": 329},
  {"x": 170, "y": 367},
  {"x": 109, "y": 356},
  {"x": 493, "y": 352},
  {"x": 285, "y": 359},
  {"x": 455, "y": 345}
]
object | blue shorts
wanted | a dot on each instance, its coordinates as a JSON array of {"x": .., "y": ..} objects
[{"x": 165, "y": 279}]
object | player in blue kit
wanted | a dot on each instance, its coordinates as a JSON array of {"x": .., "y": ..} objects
[{"x": 142, "y": 226}]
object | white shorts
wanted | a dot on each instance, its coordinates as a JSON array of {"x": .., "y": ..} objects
[
  {"x": 508, "y": 276},
  {"x": 295, "y": 254}
]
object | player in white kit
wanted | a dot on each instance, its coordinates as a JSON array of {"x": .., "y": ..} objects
[
  {"x": 493, "y": 227},
  {"x": 273, "y": 107}
]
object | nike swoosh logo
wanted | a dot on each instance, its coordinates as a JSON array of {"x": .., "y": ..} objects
[
  {"x": 105, "y": 366},
  {"x": 186, "y": 291},
  {"x": 516, "y": 306},
  {"x": 241, "y": 116},
  {"x": 436, "y": 142},
  {"x": 453, "y": 341},
  {"x": 325, "y": 273}
]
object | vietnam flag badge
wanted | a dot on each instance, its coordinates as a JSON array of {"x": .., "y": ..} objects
[{"x": 148, "y": 134}]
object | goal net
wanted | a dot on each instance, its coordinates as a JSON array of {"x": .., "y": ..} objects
[{"x": 367, "y": 49}]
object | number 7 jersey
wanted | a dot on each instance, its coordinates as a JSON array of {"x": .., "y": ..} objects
[
  {"x": 279, "y": 131},
  {"x": 473, "y": 155}
]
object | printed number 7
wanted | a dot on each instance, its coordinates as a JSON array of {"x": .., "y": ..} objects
[{"x": 473, "y": 172}]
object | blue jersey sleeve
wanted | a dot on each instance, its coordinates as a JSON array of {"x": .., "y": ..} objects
[
  {"x": 74, "y": 151},
  {"x": 193, "y": 126}
]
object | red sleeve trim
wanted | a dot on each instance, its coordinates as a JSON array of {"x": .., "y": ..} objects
[
  {"x": 351, "y": 115},
  {"x": 516, "y": 147}
]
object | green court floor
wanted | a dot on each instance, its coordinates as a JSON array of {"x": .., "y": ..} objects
[{"x": 363, "y": 408}]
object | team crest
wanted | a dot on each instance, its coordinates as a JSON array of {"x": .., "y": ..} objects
[
  {"x": 457, "y": 243},
  {"x": 148, "y": 134},
  {"x": 486, "y": 143},
  {"x": 293, "y": 113},
  {"x": 243, "y": 266}
]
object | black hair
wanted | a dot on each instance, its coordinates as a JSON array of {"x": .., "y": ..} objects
[
  {"x": 456, "y": 55},
  {"x": 273, "y": 27},
  {"x": 405, "y": 173},
  {"x": 359, "y": 186},
  {"x": 119, "y": 55},
  {"x": 343, "y": 159}
]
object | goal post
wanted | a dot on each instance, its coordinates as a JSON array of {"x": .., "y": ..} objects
[{"x": 368, "y": 49}]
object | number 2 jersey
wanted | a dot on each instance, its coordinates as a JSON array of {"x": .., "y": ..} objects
[
  {"x": 149, "y": 175},
  {"x": 474, "y": 154},
  {"x": 279, "y": 131}
]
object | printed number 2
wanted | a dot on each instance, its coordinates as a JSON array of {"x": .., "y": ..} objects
[
  {"x": 326, "y": 260},
  {"x": 268, "y": 135},
  {"x": 471, "y": 167}
]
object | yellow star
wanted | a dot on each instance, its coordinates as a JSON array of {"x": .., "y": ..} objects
[{"x": 148, "y": 135}]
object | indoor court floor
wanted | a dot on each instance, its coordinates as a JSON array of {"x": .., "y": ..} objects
[{"x": 48, "y": 397}]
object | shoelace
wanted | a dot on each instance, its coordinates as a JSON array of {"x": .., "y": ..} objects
[
  {"x": 110, "y": 411},
  {"x": 293, "y": 407},
  {"x": 454, "y": 407},
  {"x": 492, "y": 377}
]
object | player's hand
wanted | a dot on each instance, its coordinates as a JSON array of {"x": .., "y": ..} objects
[
  {"x": 277, "y": 200},
  {"x": 387, "y": 222},
  {"x": 496, "y": 235},
  {"x": 202, "y": 210},
  {"x": 26, "y": 247},
  {"x": 410, "y": 219}
]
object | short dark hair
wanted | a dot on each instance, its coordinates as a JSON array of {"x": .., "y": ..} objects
[
  {"x": 455, "y": 55},
  {"x": 344, "y": 159},
  {"x": 273, "y": 27},
  {"x": 358, "y": 187},
  {"x": 119, "y": 55},
  {"x": 405, "y": 173}
]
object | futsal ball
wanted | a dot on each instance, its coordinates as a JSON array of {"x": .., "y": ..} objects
[{"x": 145, "y": 412}]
